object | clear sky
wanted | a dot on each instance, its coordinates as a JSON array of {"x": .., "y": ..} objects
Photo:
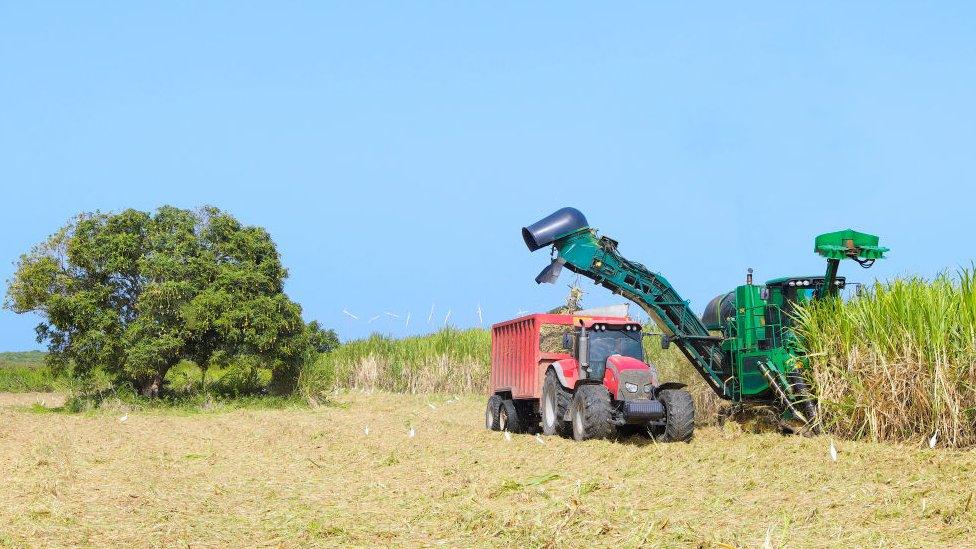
[{"x": 395, "y": 150}]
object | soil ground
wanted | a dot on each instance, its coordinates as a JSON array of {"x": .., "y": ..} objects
[{"x": 300, "y": 477}]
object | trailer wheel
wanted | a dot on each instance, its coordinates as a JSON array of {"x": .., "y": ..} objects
[
  {"x": 591, "y": 412},
  {"x": 491, "y": 413},
  {"x": 555, "y": 401},
  {"x": 679, "y": 416},
  {"x": 508, "y": 418}
]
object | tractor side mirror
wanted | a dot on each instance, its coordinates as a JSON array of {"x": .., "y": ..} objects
[
  {"x": 568, "y": 341},
  {"x": 665, "y": 341}
]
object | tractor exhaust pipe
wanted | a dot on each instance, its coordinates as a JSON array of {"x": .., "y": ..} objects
[{"x": 552, "y": 227}]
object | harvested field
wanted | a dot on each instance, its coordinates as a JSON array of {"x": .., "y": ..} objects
[
  {"x": 49, "y": 400},
  {"x": 297, "y": 477}
]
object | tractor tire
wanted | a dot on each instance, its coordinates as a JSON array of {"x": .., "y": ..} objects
[
  {"x": 491, "y": 413},
  {"x": 679, "y": 416},
  {"x": 591, "y": 412},
  {"x": 555, "y": 402},
  {"x": 508, "y": 417}
]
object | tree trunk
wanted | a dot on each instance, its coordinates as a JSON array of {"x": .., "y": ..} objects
[
  {"x": 284, "y": 379},
  {"x": 150, "y": 387}
]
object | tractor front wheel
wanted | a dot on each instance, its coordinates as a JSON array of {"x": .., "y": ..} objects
[
  {"x": 679, "y": 416},
  {"x": 591, "y": 412},
  {"x": 555, "y": 400}
]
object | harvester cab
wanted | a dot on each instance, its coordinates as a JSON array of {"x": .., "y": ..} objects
[{"x": 744, "y": 345}]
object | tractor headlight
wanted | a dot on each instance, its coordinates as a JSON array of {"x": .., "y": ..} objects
[
  {"x": 631, "y": 387},
  {"x": 648, "y": 388}
]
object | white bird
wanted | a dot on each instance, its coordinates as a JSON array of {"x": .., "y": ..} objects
[
  {"x": 366, "y": 430},
  {"x": 508, "y": 436},
  {"x": 538, "y": 438},
  {"x": 934, "y": 439},
  {"x": 481, "y": 321},
  {"x": 520, "y": 312},
  {"x": 431, "y": 406},
  {"x": 407, "y": 325},
  {"x": 123, "y": 418},
  {"x": 431, "y": 315},
  {"x": 372, "y": 319},
  {"x": 411, "y": 433},
  {"x": 833, "y": 450},
  {"x": 350, "y": 315},
  {"x": 391, "y": 315},
  {"x": 446, "y": 317},
  {"x": 769, "y": 538}
]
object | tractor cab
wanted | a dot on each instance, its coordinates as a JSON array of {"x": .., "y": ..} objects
[{"x": 592, "y": 343}]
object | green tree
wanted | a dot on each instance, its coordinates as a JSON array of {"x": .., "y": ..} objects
[
  {"x": 322, "y": 340},
  {"x": 134, "y": 293}
]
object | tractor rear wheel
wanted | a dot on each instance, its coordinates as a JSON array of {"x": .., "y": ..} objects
[
  {"x": 679, "y": 416},
  {"x": 555, "y": 401},
  {"x": 491, "y": 412},
  {"x": 508, "y": 417},
  {"x": 591, "y": 412}
]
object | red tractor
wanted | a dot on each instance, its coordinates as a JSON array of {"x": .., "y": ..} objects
[{"x": 596, "y": 386}]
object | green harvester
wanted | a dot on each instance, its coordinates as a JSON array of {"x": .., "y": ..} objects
[{"x": 744, "y": 345}]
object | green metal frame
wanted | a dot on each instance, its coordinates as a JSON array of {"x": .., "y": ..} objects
[{"x": 752, "y": 359}]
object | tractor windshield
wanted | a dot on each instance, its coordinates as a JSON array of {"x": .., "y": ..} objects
[{"x": 613, "y": 342}]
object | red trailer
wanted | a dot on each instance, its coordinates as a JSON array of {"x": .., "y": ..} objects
[{"x": 596, "y": 385}]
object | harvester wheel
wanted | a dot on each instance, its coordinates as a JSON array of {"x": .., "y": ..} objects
[
  {"x": 679, "y": 415},
  {"x": 555, "y": 401},
  {"x": 806, "y": 405},
  {"x": 591, "y": 412},
  {"x": 508, "y": 418},
  {"x": 491, "y": 413}
]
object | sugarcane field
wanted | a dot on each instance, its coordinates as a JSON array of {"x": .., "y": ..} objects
[{"x": 488, "y": 275}]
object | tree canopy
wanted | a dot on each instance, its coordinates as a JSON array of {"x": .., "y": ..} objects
[{"x": 134, "y": 293}]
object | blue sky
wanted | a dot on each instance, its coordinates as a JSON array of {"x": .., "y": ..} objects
[{"x": 394, "y": 151}]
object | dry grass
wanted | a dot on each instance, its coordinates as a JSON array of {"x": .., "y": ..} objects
[
  {"x": 49, "y": 400},
  {"x": 314, "y": 478}
]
